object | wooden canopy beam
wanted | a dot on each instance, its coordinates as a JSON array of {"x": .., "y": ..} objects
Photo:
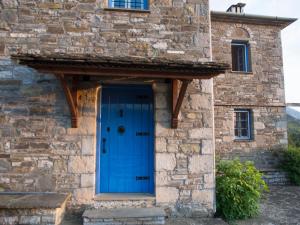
[
  {"x": 136, "y": 67},
  {"x": 125, "y": 72},
  {"x": 177, "y": 99},
  {"x": 66, "y": 68},
  {"x": 71, "y": 95}
]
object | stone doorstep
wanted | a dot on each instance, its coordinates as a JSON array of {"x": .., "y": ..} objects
[
  {"x": 124, "y": 216},
  {"x": 124, "y": 197}
]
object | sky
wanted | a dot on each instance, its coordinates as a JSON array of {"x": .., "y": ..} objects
[{"x": 290, "y": 36}]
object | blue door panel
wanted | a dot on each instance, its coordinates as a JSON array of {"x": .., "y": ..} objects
[{"x": 125, "y": 143}]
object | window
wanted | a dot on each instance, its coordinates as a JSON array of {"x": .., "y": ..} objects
[
  {"x": 240, "y": 56},
  {"x": 242, "y": 127},
  {"x": 129, "y": 4}
]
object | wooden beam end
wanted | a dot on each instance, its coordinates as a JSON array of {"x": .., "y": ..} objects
[
  {"x": 174, "y": 124},
  {"x": 74, "y": 122}
]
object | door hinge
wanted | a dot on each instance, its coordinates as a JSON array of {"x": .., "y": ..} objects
[
  {"x": 142, "y": 134},
  {"x": 142, "y": 96},
  {"x": 143, "y": 178}
]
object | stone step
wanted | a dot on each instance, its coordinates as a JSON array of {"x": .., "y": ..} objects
[
  {"x": 32, "y": 208},
  {"x": 124, "y": 216}
]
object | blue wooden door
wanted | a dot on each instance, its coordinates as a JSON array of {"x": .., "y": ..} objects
[{"x": 125, "y": 143}]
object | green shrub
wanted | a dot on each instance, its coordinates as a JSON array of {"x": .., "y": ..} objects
[
  {"x": 294, "y": 132},
  {"x": 291, "y": 164},
  {"x": 239, "y": 188}
]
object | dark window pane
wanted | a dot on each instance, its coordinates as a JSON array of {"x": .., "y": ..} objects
[
  {"x": 236, "y": 123},
  {"x": 236, "y": 132},
  {"x": 244, "y": 132},
  {"x": 234, "y": 58},
  {"x": 241, "y": 58},
  {"x": 119, "y": 3},
  {"x": 244, "y": 116},
  {"x": 244, "y": 124}
]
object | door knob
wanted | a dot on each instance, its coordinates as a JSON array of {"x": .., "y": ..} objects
[{"x": 121, "y": 130}]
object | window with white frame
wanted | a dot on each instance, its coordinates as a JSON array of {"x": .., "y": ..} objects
[
  {"x": 242, "y": 124},
  {"x": 240, "y": 52},
  {"x": 129, "y": 4}
]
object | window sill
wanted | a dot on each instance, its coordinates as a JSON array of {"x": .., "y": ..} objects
[
  {"x": 241, "y": 72},
  {"x": 243, "y": 140},
  {"x": 123, "y": 197},
  {"x": 127, "y": 10}
]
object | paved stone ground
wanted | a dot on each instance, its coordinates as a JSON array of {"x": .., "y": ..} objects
[
  {"x": 76, "y": 220},
  {"x": 281, "y": 206},
  {"x": 186, "y": 221}
]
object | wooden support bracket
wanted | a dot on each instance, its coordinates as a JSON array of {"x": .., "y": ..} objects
[
  {"x": 71, "y": 92},
  {"x": 177, "y": 99},
  {"x": 71, "y": 95}
]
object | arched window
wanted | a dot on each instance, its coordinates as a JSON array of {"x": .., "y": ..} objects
[{"x": 129, "y": 4}]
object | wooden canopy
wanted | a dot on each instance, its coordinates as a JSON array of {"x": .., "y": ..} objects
[{"x": 126, "y": 67}]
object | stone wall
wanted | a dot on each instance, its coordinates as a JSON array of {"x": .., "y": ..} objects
[
  {"x": 185, "y": 156},
  {"x": 261, "y": 91},
  {"x": 38, "y": 149},
  {"x": 264, "y": 86},
  {"x": 269, "y": 136},
  {"x": 276, "y": 178},
  {"x": 171, "y": 28},
  {"x": 31, "y": 216},
  {"x": 39, "y": 152}
]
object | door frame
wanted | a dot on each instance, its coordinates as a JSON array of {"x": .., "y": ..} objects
[{"x": 99, "y": 135}]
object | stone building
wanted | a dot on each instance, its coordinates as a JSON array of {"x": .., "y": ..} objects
[
  {"x": 250, "y": 113},
  {"x": 113, "y": 102}
]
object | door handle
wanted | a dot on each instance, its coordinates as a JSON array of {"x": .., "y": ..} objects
[{"x": 103, "y": 145}]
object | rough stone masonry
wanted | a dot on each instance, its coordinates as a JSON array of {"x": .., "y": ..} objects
[
  {"x": 39, "y": 152},
  {"x": 261, "y": 91}
]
